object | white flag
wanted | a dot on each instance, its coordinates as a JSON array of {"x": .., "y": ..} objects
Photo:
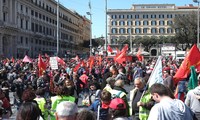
[{"x": 156, "y": 75}]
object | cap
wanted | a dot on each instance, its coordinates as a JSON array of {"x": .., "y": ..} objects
[{"x": 117, "y": 104}]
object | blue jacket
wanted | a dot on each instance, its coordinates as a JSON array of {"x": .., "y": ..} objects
[{"x": 103, "y": 113}]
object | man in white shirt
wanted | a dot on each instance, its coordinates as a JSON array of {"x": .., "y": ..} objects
[{"x": 167, "y": 108}]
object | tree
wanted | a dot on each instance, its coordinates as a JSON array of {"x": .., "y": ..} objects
[{"x": 186, "y": 29}]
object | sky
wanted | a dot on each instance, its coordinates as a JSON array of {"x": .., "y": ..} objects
[{"x": 98, "y": 9}]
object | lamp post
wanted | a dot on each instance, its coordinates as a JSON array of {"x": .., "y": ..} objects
[
  {"x": 90, "y": 14},
  {"x": 196, "y": 1},
  {"x": 106, "y": 25},
  {"x": 57, "y": 27}
]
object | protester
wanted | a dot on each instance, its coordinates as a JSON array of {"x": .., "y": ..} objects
[
  {"x": 118, "y": 109},
  {"x": 167, "y": 108},
  {"x": 29, "y": 111},
  {"x": 101, "y": 106},
  {"x": 85, "y": 115},
  {"x": 136, "y": 95},
  {"x": 168, "y": 80},
  {"x": 63, "y": 94},
  {"x": 66, "y": 110},
  {"x": 119, "y": 92},
  {"x": 110, "y": 84},
  {"x": 193, "y": 100}
]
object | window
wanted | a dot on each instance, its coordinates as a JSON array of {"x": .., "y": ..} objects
[
  {"x": 40, "y": 30},
  {"x": 161, "y": 30},
  {"x": 26, "y": 24},
  {"x": 32, "y": 12},
  {"x": 162, "y": 16},
  {"x": 129, "y": 23},
  {"x": 169, "y": 30},
  {"x": 43, "y": 17},
  {"x": 169, "y": 22},
  {"x": 44, "y": 29},
  {"x": 21, "y": 23},
  {"x": 121, "y": 23},
  {"x": 136, "y": 16},
  {"x": 153, "y": 30},
  {"x": 47, "y": 19},
  {"x": 36, "y": 14},
  {"x": 153, "y": 22},
  {"x": 26, "y": 40},
  {"x": 40, "y": 16},
  {"x": 4, "y": 16},
  {"x": 114, "y": 23},
  {"x": 145, "y": 30},
  {"x": 137, "y": 23},
  {"x": 137, "y": 30},
  {"x": 121, "y": 30},
  {"x": 145, "y": 16},
  {"x": 161, "y": 22},
  {"x": 21, "y": 7},
  {"x": 32, "y": 27},
  {"x": 114, "y": 30},
  {"x": 169, "y": 16},
  {"x": 36, "y": 27},
  {"x": 21, "y": 40},
  {"x": 129, "y": 16},
  {"x": 153, "y": 16},
  {"x": 26, "y": 9},
  {"x": 129, "y": 30},
  {"x": 121, "y": 16},
  {"x": 114, "y": 16},
  {"x": 145, "y": 22}
]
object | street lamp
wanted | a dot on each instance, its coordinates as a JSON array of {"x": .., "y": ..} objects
[
  {"x": 106, "y": 26},
  {"x": 57, "y": 27},
  {"x": 90, "y": 14},
  {"x": 196, "y": 1}
]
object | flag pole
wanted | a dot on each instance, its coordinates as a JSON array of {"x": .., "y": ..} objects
[{"x": 159, "y": 58}]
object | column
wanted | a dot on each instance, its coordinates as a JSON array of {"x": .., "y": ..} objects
[{"x": 1, "y": 44}]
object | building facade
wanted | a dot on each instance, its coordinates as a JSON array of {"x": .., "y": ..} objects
[
  {"x": 144, "y": 20},
  {"x": 29, "y": 27}
]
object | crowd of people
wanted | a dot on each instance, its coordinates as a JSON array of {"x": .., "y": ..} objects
[{"x": 100, "y": 88}]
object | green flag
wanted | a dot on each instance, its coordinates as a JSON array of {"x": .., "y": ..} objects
[{"x": 193, "y": 79}]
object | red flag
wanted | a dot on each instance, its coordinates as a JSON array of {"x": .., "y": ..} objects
[
  {"x": 125, "y": 48},
  {"x": 91, "y": 61},
  {"x": 27, "y": 59},
  {"x": 13, "y": 60},
  {"x": 192, "y": 59},
  {"x": 83, "y": 63},
  {"x": 117, "y": 50},
  {"x": 120, "y": 57},
  {"x": 61, "y": 61},
  {"x": 110, "y": 49},
  {"x": 139, "y": 56},
  {"x": 100, "y": 60},
  {"x": 77, "y": 67},
  {"x": 41, "y": 65}
]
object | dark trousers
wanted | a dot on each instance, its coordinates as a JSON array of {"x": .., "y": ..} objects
[{"x": 136, "y": 116}]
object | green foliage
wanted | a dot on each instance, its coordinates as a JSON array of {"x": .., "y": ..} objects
[{"x": 186, "y": 28}]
